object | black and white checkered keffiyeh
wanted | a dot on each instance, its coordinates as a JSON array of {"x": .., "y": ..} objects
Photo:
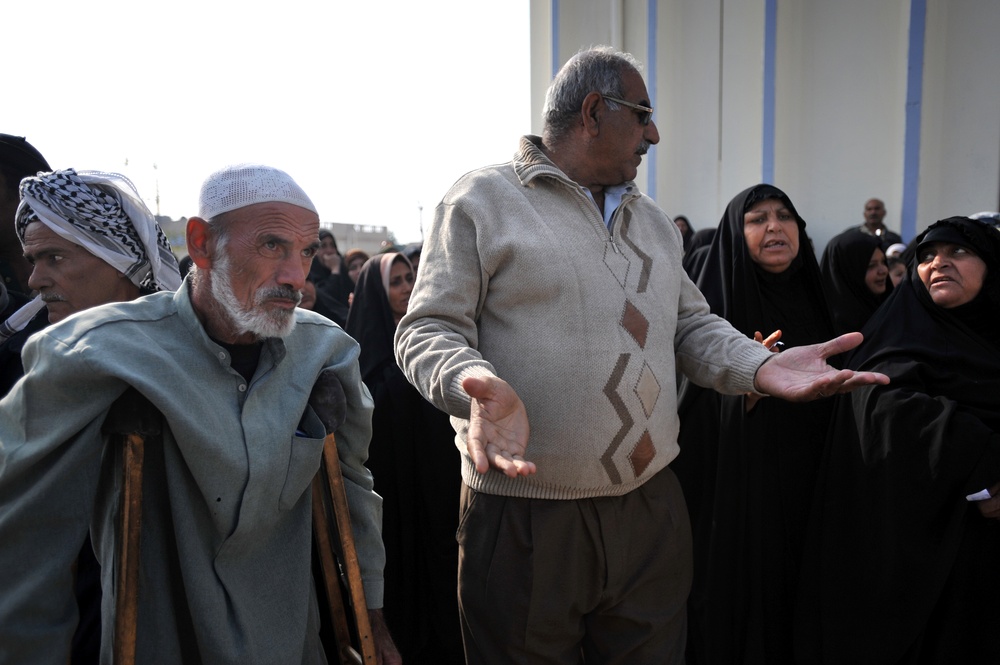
[{"x": 103, "y": 213}]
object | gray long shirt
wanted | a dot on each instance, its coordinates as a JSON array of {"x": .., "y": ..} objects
[{"x": 225, "y": 565}]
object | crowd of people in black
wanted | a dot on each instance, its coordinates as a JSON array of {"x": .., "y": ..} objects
[
  {"x": 862, "y": 528},
  {"x": 859, "y": 528}
]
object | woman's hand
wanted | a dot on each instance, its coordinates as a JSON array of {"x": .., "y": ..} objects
[
  {"x": 771, "y": 343},
  {"x": 990, "y": 508}
]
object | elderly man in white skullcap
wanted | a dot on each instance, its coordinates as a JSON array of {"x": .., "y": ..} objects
[{"x": 229, "y": 361}]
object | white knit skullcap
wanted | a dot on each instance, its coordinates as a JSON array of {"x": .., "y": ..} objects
[
  {"x": 242, "y": 185},
  {"x": 894, "y": 250}
]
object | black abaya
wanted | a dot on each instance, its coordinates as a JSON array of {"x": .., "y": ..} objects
[
  {"x": 901, "y": 568},
  {"x": 749, "y": 476},
  {"x": 416, "y": 467}
]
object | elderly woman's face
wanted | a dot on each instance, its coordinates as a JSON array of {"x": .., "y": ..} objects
[
  {"x": 772, "y": 235},
  {"x": 953, "y": 274}
]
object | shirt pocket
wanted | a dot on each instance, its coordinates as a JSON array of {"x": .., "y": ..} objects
[{"x": 303, "y": 463}]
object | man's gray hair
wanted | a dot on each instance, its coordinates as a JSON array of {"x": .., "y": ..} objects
[{"x": 597, "y": 69}]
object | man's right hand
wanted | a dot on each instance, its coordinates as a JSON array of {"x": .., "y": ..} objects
[{"x": 498, "y": 427}]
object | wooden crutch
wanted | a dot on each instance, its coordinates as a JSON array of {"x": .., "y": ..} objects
[
  {"x": 330, "y": 498},
  {"x": 130, "y": 422}
]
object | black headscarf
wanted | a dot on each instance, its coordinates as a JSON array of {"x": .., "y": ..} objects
[
  {"x": 982, "y": 314},
  {"x": 898, "y": 559},
  {"x": 844, "y": 265},
  {"x": 688, "y": 234},
  {"x": 370, "y": 320},
  {"x": 753, "y": 299},
  {"x": 696, "y": 251}
]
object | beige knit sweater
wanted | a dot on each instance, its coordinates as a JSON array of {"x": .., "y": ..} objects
[{"x": 520, "y": 278}]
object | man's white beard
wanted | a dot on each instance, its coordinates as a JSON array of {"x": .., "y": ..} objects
[{"x": 256, "y": 319}]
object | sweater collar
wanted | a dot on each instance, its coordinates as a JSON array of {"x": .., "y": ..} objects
[{"x": 530, "y": 162}]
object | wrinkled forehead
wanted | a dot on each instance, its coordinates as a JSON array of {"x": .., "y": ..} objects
[{"x": 279, "y": 220}]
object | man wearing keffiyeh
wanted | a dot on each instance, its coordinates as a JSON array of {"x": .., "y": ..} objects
[{"x": 91, "y": 240}]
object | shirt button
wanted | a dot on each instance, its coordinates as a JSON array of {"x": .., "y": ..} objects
[
  {"x": 222, "y": 355},
  {"x": 243, "y": 387}
]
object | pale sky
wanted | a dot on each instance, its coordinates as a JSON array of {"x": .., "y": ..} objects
[{"x": 375, "y": 108}]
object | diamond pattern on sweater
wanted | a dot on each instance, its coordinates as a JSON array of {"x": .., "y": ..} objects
[
  {"x": 648, "y": 389},
  {"x": 616, "y": 262},
  {"x": 635, "y": 323},
  {"x": 621, "y": 409},
  {"x": 642, "y": 454},
  {"x": 646, "y": 259}
]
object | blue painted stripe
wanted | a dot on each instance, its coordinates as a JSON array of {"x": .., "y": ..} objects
[
  {"x": 651, "y": 88},
  {"x": 770, "y": 45},
  {"x": 555, "y": 38},
  {"x": 914, "y": 99}
]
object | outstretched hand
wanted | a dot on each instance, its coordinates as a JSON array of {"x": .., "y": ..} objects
[
  {"x": 498, "y": 427},
  {"x": 801, "y": 374}
]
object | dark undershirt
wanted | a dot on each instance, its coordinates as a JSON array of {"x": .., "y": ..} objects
[{"x": 244, "y": 357}]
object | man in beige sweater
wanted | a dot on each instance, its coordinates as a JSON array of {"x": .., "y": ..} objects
[{"x": 551, "y": 291}]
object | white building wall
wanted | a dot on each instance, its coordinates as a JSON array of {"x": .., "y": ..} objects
[
  {"x": 840, "y": 101},
  {"x": 840, "y": 109},
  {"x": 960, "y": 138},
  {"x": 689, "y": 95},
  {"x": 742, "y": 49}
]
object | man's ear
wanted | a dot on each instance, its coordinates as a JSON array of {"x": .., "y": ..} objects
[
  {"x": 591, "y": 113},
  {"x": 200, "y": 242}
]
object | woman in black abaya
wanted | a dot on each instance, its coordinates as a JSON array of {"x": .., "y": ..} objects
[
  {"x": 856, "y": 278},
  {"x": 748, "y": 467},
  {"x": 416, "y": 468},
  {"x": 902, "y": 564}
]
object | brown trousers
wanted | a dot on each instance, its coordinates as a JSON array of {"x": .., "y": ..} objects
[{"x": 596, "y": 581}]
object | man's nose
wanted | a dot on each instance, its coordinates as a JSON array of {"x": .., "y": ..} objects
[
  {"x": 39, "y": 278},
  {"x": 652, "y": 134},
  {"x": 293, "y": 271}
]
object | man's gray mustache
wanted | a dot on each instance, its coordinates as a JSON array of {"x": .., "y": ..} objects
[{"x": 284, "y": 293}]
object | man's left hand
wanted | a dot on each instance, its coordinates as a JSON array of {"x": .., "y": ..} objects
[{"x": 802, "y": 374}]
